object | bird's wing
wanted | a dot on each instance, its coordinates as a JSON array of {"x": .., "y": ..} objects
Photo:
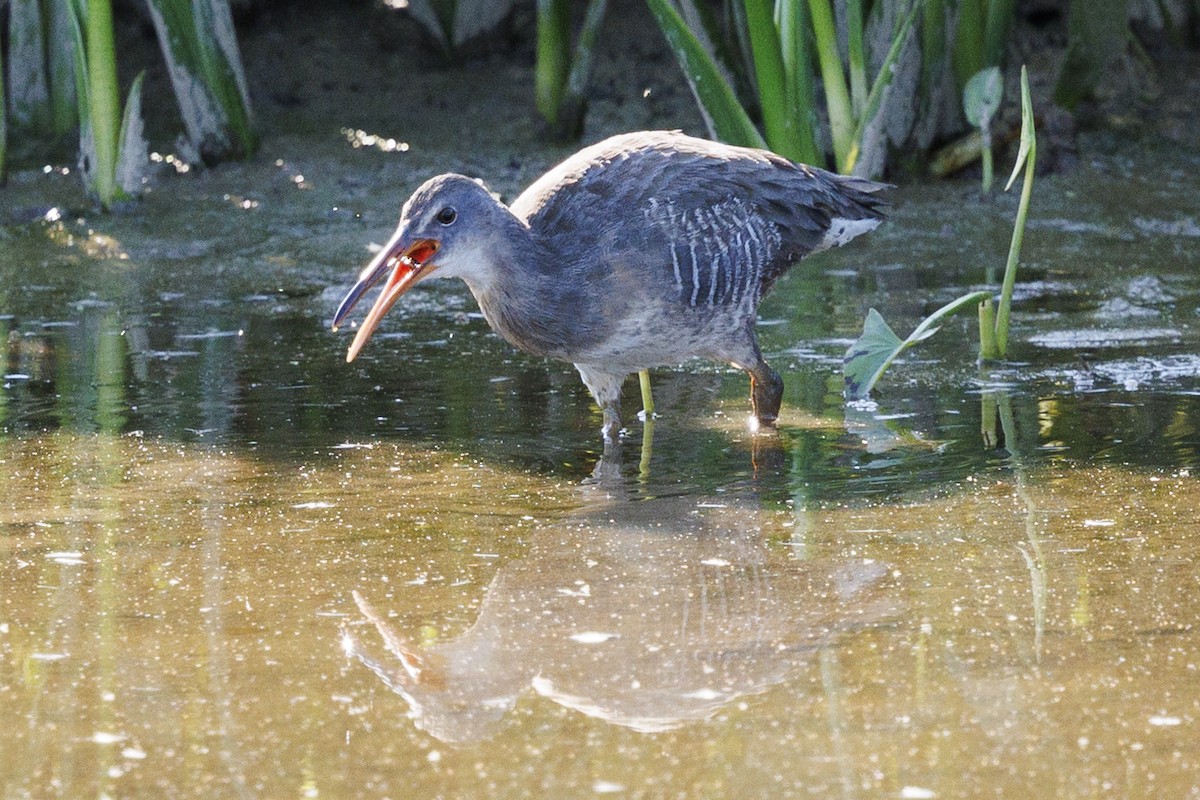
[{"x": 716, "y": 224}]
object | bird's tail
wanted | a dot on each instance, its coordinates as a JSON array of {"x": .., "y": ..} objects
[{"x": 862, "y": 195}]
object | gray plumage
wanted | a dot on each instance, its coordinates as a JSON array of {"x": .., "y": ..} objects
[{"x": 646, "y": 249}]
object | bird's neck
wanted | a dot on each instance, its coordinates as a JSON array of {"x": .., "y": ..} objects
[{"x": 519, "y": 292}]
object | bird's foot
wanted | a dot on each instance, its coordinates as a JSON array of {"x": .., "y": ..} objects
[{"x": 766, "y": 396}]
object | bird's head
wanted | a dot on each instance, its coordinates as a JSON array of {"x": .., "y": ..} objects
[{"x": 443, "y": 232}]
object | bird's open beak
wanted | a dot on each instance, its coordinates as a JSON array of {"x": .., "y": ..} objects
[{"x": 407, "y": 260}]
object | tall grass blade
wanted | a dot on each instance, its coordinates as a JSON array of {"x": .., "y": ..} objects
[
  {"x": 132, "y": 148},
  {"x": 223, "y": 70},
  {"x": 837, "y": 96},
  {"x": 569, "y": 122},
  {"x": 29, "y": 94},
  {"x": 553, "y": 56},
  {"x": 726, "y": 118},
  {"x": 882, "y": 81},
  {"x": 103, "y": 98},
  {"x": 87, "y": 149},
  {"x": 798, "y": 90},
  {"x": 997, "y": 23},
  {"x": 1027, "y": 159},
  {"x": 199, "y": 45},
  {"x": 933, "y": 44},
  {"x": 60, "y": 63},
  {"x": 968, "y": 56},
  {"x": 779, "y": 123},
  {"x": 857, "y": 56}
]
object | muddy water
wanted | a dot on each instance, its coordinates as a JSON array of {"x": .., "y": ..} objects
[{"x": 232, "y": 565}]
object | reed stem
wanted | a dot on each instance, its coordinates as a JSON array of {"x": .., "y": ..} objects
[
  {"x": 1029, "y": 148},
  {"x": 647, "y": 397},
  {"x": 105, "y": 105},
  {"x": 553, "y": 56}
]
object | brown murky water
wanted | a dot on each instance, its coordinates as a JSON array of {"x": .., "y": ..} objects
[{"x": 233, "y": 566}]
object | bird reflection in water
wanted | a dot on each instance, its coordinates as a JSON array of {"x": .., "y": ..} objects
[{"x": 650, "y": 615}]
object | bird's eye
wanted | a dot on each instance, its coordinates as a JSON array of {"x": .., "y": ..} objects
[{"x": 447, "y": 215}]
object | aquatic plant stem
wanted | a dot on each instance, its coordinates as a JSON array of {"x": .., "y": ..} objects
[
  {"x": 647, "y": 397},
  {"x": 1027, "y": 157},
  {"x": 987, "y": 330},
  {"x": 105, "y": 105}
]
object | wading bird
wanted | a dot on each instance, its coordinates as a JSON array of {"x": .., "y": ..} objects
[{"x": 644, "y": 250}]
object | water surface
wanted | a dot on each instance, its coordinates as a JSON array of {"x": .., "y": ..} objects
[{"x": 234, "y": 566}]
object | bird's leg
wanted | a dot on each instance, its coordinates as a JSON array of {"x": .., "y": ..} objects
[
  {"x": 610, "y": 429},
  {"x": 606, "y": 389},
  {"x": 766, "y": 392}
]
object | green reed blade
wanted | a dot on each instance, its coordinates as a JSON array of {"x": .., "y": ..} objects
[
  {"x": 857, "y": 57},
  {"x": 798, "y": 77},
  {"x": 781, "y": 126},
  {"x": 553, "y": 56},
  {"x": 726, "y": 118},
  {"x": 106, "y": 104},
  {"x": 568, "y": 120},
  {"x": 882, "y": 80},
  {"x": 837, "y": 96},
  {"x": 200, "y": 47}
]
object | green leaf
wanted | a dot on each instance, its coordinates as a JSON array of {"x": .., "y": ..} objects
[
  {"x": 1028, "y": 136},
  {"x": 867, "y": 359},
  {"x": 869, "y": 356},
  {"x": 726, "y": 118},
  {"x": 981, "y": 97}
]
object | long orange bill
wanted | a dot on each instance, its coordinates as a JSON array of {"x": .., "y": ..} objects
[{"x": 405, "y": 263}]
